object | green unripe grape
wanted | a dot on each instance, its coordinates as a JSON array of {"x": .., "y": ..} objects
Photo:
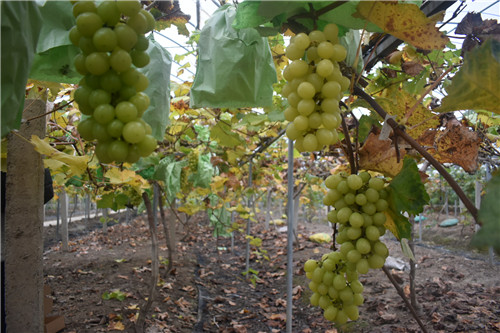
[
  {"x": 82, "y": 94},
  {"x": 333, "y": 293},
  {"x": 324, "y": 302},
  {"x": 310, "y": 265},
  {"x": 346, "y": 295},
  {"x": 354, "y": 182},
  {"x": 133, "y": 154},
  {"x": 351, "y": 275},
  {"x": 345, "y": 248},
  {"x": 294, "y": 52},
  {"x": 381, "y": 205},
  {"x": 142, "y": 43},
  {"x": 290, "y": 113},
  {"x": 83, "y": 6},
  {"x": 118, "y": 151},
  {"x": 360, "y": 199},
  {"x": 98, "y": 97},
  {"x": 356, "y": 220},
  {"x": 109, "y": 12},
  {"x": 349, "y": 198},
  {"x": 314, "y": 299},
  {"x": 372, "y": 195},
  {"x": 126, "y": 36},
  {"x": 140, "y": 59},
  {"x": 356, "y": 287},
  {"x": 310, "y": 142},
  {"x": 110, "y": 81},
  {"x": 294, "y": 99},
  {"x": 101, "y": 151},
  {"x": 369, "y": 208},
  {"x": 383, "y": 194},
  {"x": 353, "y": 256},
  {"x": 121, "y": 61},
  {"x": 342, "y": 187},
  {"x": 338, "y": 53},
  {"x": 332, "y": 181},
  {"x": 129, "y": 8},
  {"x": 324, "y": 136},
  {"x": 88, "y": 23},
  {"x": 379, "y": 219},
  {"x": 339, "y": 282},
  {"x": 301, "y": 123},
  {"x": 79, "y": 63},
  {"x": 141, "y": 102},
  {"x": 335, "y": 256},
  {"x": 362, "y": 266},
  {"x": 352, "y": 312},
  {"x": 368, "y": 220},
  {"x": 371, "y": 233},
  {"x": 331, "y": 89},
  {"x": 365, "y": 176},
  {"x": 341, "y": 318},
  {"x": 312, "y": 54},
  {"x": 99, "y": 132},
  {"x": 315, "y": 121},
  {"x": 326, "y": 50},
  {"x": 332, "y": 216},
  {"x": 328, "y": 265},
  {"x": 150, "y": 19},
  {"x": 142, "y": 83},
  {"x": 343, "y": 214},
  {"x": 306, "y": 90},
  {"x": 330, "y": 105},
  {"x": 139, "y": 23},
  {"x": 342, "y": 236},
  {"x": 380, "y": 249},
  {"x": 381, "y": 230},
  {"x": 126, "y": 92},
  {"x": 324, "y": 68},
  {"x": 126, "y": 111},
  {"x": 317, "y": 36},
  {"x": 292, "y": 132},
  {"x": 363, "y": 246},
  {"x": 130, "y": 76},
  {"x": 353, "y": 233},
  {"x": 375, "y": 261},
  {"x": 298, "y": 68},
  {"x": 322, "y": 289},
  {"x": 328, "y": 278},
  {"x": 85, "y": 129},
  {"x": 316, "y": 81},
  {"x": 133, "y": 132},
  {"x": 309, "y": 275},
  {"x": 287, "y": 89},
  {"x": 318, "y": 275},
  {"x": 304, "y": 106},
  {"x": 358, "y": 299},
  {"x": 104, "y": 114},
  {"x": 331, "y": 32},
  {"x": 313, "y": 286},
  {"x": 115, "y": 128},
  {"x": 74, "y": 36},
  {"x": 302, "y": 41},
  {"x": 330, "y": 313},
  {"x": 105, "y": 39},
  {"x": 97, "y": 63},
  {"x": 330, "y": 121},
  {"x": 345, "y": 83},
  {"x": 376, "y": 183},
  {"x": 86, "y": 45}
]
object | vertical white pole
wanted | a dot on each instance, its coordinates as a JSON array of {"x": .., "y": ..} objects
[{"x": 289, "y": 253}]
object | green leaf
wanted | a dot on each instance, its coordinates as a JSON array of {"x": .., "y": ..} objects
[
  {"x": 203, "y": 176},
  {"x": 21, "y": 24},
  {"x": 476, "y": 85},
  {"x": 169, "y": 171},
  {"x": 397, "y": 223},
  {"x": 365, "y": 126},
  {"x": 489, "y": 213},
  {"x": 405, "y": 248},
  {"x": 158, "y": 73},
  {"x": 224, "y": 136},
  {"x": 106, "y": 201},
  {"x": 407, "y": 192}
]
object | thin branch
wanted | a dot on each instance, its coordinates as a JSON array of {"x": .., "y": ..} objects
[
  {"x": 407, "y": 303},
  {"x": 54, "y": 110},
  {"x": 438, "y": 166}
]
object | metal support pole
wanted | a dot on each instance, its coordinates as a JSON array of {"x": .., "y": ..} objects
[
  {"x": 289, "y": 265},
  {"x": 247, "y": 254}
]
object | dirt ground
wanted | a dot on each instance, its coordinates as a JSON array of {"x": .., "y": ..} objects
[{"x": 458, "y": 290}]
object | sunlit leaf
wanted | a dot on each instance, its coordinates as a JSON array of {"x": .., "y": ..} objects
[
  {"x": 476, "y": 85},
  {"x": 489, "y": 213},
  {"x": 404, "y": 21}
]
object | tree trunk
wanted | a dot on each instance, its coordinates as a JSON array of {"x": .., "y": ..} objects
[{"x": 24, "y": 226}]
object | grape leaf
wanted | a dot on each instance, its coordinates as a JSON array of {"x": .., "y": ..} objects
[
  {"x": 223, "y": 135},
  {"x": 203, "y": 175},
  {"x": 380, "y": 155},
  {"x": 169, "y": 171},
  {"x": 407, "y": 192},
  {"x": 397, "y": 223},
  {"x": 404, "y": 21},
  {"x": 476, "y": 85},
  {"x": 489, "y": 234}
]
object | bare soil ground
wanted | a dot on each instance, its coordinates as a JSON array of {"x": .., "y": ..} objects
[{"x": 458, "y": 290}]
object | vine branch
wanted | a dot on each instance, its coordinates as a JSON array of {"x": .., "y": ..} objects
[{"x": 439, "y": 167}]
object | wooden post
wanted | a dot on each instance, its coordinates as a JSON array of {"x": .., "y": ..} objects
[{"x": 24, "y": 225}]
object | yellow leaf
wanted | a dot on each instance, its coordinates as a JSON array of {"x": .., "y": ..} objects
[
  {"x": 117, "y": 176},
  {"x": 77, "y": 164},
  {"x": 404, "y": 21}
]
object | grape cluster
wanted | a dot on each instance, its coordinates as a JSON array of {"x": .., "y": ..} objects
[
  {"x": 359, "y": 203},
  {"x": 335, "y": 286},
  {"x": 314, "y": 88},
  {"x": 111, "y": 38}
]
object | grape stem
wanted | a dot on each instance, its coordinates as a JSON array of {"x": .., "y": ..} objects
[
  {"x": 439, "y": 167},
  {"x": 402, "y": 294}
]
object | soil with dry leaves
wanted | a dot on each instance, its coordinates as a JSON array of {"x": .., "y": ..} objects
[{"x": 207, "y": 292}]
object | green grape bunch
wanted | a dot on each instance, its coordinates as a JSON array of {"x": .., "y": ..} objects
[
  {"x": 110, "y": 36},
  {"x": 314, "y": 88}
]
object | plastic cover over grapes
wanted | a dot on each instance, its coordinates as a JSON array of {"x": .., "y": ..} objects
[{"x": 235, "y": 67}]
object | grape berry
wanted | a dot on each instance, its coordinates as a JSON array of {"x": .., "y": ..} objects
[{"x": 111, "y": 38}]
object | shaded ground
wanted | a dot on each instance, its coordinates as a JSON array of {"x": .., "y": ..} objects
[{"x": 206, "y": 292}]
